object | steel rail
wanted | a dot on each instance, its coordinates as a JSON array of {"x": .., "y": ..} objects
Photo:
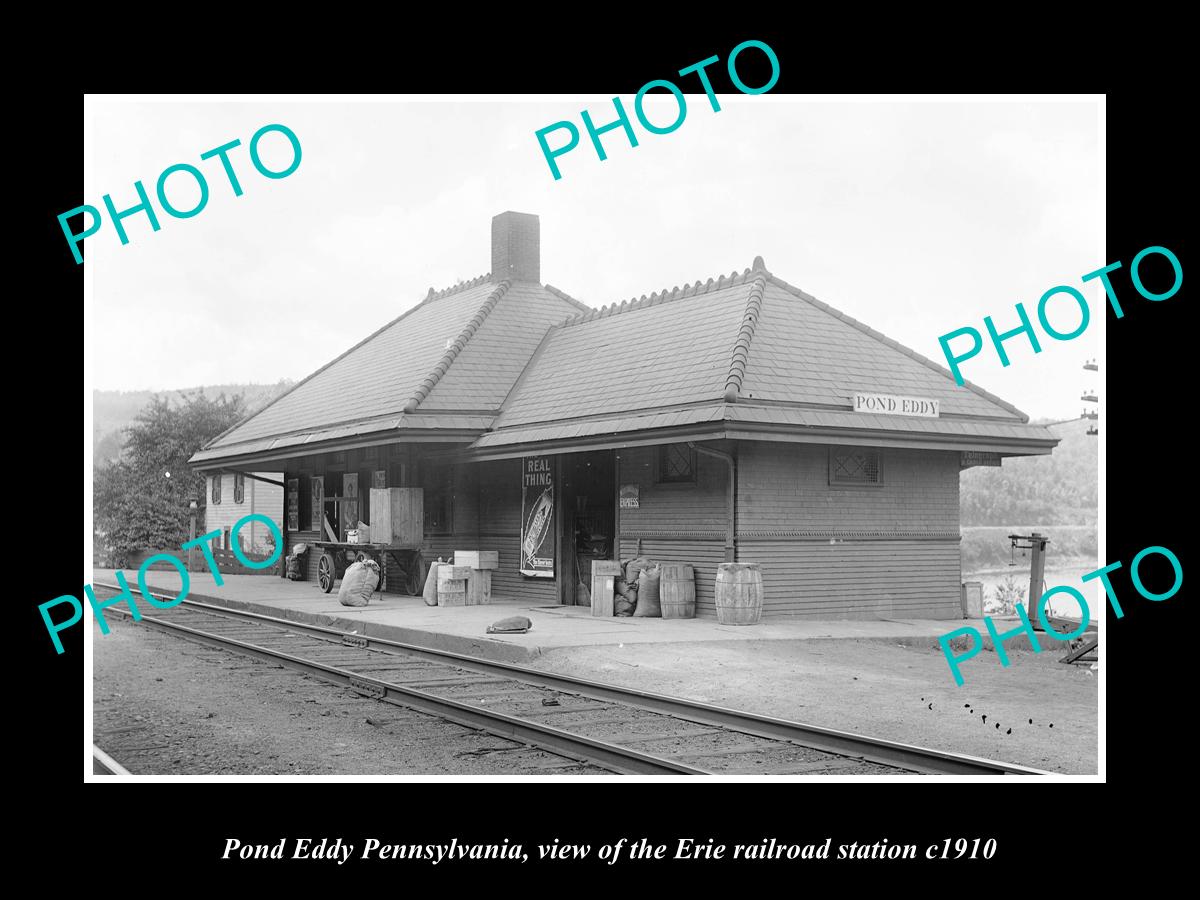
[
  {"x": 623, "y": 760},
  {"x": 106, "y": 762},
  {"x": 844, "y": 743}
]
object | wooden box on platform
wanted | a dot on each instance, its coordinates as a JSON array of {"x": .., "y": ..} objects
[
  {"x": 398, "y": 516},
  {"x": 972, "y": 600},
  {"x": 479, "y": 587},
  {"x": 477, "y": 559},
  {"x": 452, "y": 585},
  {"x": 604, "y": 575}
]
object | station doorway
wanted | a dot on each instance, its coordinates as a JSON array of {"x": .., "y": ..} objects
[{"x": 588, "y": 524}]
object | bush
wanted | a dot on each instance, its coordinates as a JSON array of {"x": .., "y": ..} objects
[
  {"x": 1006, "y": 597},
  {"x": 141, "y": 502}
]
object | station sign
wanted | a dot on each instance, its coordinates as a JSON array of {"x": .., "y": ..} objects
[
  {"x": 969, "y": 458},
  {"x": 893, "y": 405}
]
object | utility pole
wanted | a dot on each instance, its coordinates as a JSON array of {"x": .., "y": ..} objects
[
  {"x": 192, "y": 510},
  {"x": 1090, "y": 397}
]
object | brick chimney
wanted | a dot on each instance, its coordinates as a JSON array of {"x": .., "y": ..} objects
[{"x": 516, "y": 247}]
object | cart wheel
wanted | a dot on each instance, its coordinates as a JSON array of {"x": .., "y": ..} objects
[
  {"x": 416, "y": 576},
  {"x": 326, "y": 572}
]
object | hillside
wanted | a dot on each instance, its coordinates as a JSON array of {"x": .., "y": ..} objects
[
  {"x": 1059, "y": 489},
  {"x": 112, "y": 411},
  {"x": 1055, "y": 495}
]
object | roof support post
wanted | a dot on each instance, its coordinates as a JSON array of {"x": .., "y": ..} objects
[{"x": 731, "y": 527}]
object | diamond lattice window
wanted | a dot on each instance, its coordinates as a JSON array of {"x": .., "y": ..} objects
[
  {"x": 853, "y": 465},
  {"x": 676, "y": 463}
]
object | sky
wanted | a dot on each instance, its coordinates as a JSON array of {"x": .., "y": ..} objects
[{"x": 916, "y": 218}]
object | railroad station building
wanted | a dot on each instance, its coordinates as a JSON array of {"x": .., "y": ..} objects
[{"x": 734, "y": 419}]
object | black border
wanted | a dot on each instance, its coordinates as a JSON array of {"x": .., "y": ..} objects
[{"x": 1144, "y": 423}]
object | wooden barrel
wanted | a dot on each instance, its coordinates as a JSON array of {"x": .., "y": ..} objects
[
  {"x": 677, "y": 591},
  {"x": 739, "y": 593}
]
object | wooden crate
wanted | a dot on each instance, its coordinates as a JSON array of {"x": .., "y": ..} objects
[
  {"x": 604, "y": 574},
  {"x": 452, "y": 585},
  {"x": 477, "y": 559},
  {"x": 479, "y": 587},
  {"x": 398, "y": 516},
  {"x": 452, "y": 595}
]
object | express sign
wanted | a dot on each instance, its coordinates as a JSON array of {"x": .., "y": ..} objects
[{"x": 889, "y": 405}]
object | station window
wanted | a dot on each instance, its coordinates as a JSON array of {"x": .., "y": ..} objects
[
  {"x": 854, "y": 465},
  {"x": 396, "y": 475},
  {"x": 239, "y": 488},
  {"x": 438, "y": 481},
  {"x": 305, "y": 503},
  {"x": 676, "y": 464},
  {"x": 216, "y": 489}
]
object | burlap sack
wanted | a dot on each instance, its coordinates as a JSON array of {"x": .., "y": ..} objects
[
  {"x": 511, "y": 625},
  {"x": 633, "y": 568},
  {"x": 648, "y": 584},
  {"x": 359, "y": 583},
  {"x": 429, "y": 594}
]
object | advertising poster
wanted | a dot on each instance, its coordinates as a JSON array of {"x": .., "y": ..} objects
[
  {"x": 537, "y": 517},
  {"x": 318, "y": 502},
  {"x": 293, "y": 504}
]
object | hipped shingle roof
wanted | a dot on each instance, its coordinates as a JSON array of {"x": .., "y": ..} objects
[
  {"x": 522, "y": 365},
  {"x": 744, "y": 350}
]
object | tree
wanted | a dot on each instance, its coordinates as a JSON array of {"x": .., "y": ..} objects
[{"x": 140, "y": 502}]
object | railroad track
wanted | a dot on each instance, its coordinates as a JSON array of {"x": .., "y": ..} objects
[
  {"x": 103, "y": 764},
  {"x": 619, "y": 729}
]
